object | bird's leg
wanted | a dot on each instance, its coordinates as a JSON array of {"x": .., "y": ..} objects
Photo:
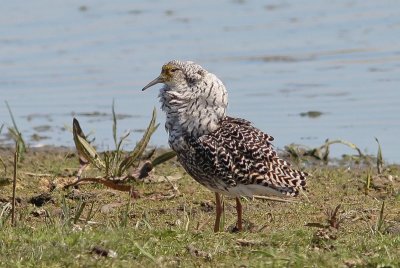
[
  {"x": 239, "y": 225},
  {"x": 218, "y": 210}
]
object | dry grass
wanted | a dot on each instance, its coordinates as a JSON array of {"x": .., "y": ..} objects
[{"x": 170, "y": 223}]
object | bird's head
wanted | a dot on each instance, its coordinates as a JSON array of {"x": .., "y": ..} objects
[
  {"x": 194, "y": 99},
  {"x": 179, "y": 74}
]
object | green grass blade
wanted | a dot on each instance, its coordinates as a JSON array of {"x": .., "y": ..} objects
[
  {"x": 114, "y": 126},
  {"x": 140, "y": 146},
  {"x": 91, "y": 153},
  {"x": 381, "y": 219},
  {"x": 148, "y": 154},
  {"x": 79, "y": 211},
  {"x": 379, "y": 158},
  {"x": 91, "y": 213},
  {"x": 17, "y": 136},
  {"x": 122, "y": 140},
  {"x": 116, "y": 155},
  {"x": 86, "y": 152},
  {"x": 66, "y": 214},
  {"x": 368, "y": 182},
  {"x": 1, "y": 160},
  {"x": 162, "y": 158},
  {"x": 144, "y": 252},
  {"x": 107, "y": 163},
  {"x": 12, "y": 116}
]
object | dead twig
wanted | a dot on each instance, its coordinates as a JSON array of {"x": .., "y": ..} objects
[
  {"x": 116, "y": 183},
  {"x": 106, "y": 182},
  {"x": 16, "y": 155}
]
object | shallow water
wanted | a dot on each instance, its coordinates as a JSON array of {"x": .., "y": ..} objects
[{"x": 60, "y": 59}]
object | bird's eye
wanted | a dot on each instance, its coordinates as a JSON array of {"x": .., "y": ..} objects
[{"x": 173, "y": 70}]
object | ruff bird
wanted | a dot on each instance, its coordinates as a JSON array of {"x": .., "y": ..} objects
[{"x": 227, "y": 155}]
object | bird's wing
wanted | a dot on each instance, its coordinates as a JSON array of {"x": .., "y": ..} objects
[{"x": 243, "y": 155}]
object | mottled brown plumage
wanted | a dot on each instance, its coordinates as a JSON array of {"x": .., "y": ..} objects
[
  {"x": 225, "y": 154},
  {"x": 239, "y": 154}
]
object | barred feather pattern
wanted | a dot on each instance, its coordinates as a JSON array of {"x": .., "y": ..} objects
[
  {"x": 238, "y": 154},
  {"x": 225, "y": 154}
]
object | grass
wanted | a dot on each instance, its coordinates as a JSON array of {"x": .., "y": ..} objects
[
  {"x": 116, "y": 165},
  {"x": 350, "y": 217},
  {"x": 16, "y": 134},
  {"x": 160, "y": 229}
]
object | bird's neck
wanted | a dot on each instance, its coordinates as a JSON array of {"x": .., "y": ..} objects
[{"x": 193, "y": 111}]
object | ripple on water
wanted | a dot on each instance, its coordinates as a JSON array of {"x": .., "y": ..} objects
[{"x": 278, "y": 60}]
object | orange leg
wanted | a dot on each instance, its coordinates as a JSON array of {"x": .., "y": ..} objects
[
  {"x": 218, "y": 210},
  {"x": 239, "y": 214}
]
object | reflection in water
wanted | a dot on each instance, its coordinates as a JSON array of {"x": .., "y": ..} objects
[{"x": 279, "y": 60}]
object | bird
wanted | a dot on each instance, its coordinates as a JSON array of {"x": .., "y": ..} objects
[{"x": 227, "y": 155}]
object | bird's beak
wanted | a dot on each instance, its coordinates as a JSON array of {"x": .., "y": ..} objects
[{"x": 159, "y": 79}]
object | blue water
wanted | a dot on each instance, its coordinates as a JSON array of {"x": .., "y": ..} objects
[{"x": 277, "y": 58}]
